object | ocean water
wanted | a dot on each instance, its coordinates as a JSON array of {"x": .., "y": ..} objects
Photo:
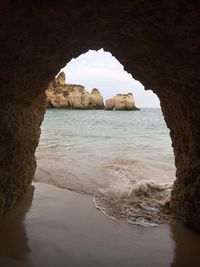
[{"x": 123, "y": 159}]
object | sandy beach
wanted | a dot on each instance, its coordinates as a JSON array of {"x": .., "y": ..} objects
[{"x": 56, "y": 227}]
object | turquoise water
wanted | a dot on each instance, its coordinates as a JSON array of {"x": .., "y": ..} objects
[{"x": 123, "y": 159}]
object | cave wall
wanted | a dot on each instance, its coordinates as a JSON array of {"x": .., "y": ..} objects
[
  {"x": 156, "y": 41},
  {"x": 183, "y": 119},
  {"x": 19, "y": 137}
]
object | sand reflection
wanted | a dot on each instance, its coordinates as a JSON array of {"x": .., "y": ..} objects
[
  {"x": 13, "y": 236},
  {"x": 63, "y": 228},
  {"x": 187, "y": 246}
]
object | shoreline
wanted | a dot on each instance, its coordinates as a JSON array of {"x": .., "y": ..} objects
[{"x": 57, "y": 227}]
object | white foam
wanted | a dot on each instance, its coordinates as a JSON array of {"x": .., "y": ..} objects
[{"x": 139, "y": 201}]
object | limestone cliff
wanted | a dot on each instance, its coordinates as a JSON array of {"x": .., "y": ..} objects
[
  {"x": 121, "y": 102},
  {"x": 62, "y": 95}
]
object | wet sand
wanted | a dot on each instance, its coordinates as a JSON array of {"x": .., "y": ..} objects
[{"x": 59, "y": 228}]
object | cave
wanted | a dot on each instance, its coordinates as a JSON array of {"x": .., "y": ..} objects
[{"x": 157, "y": 42}]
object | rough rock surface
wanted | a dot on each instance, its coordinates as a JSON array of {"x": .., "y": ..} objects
[
  {"x": 96, "y": 99},
  {"x": 61, "y": 78},
  {"x": 121, "y": 102},
  {"x": 20, "y": 132},
  {"x": 62, "y": 95},
  {"x": 156, "y": 41}
]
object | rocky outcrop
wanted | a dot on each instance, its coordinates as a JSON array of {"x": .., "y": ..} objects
[
  {"x": 96, "y": 99},
  {"x": 121, "y": 102},
  {"x": 72, "y": 96},
  {"x": 60, "y": 80}
]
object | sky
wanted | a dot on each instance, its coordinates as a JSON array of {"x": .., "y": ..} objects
[{"x": 99, "y": 69}]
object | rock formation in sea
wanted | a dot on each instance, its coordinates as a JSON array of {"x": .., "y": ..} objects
[
  {"x": 121, "y": 102},
  {"x": 72, "y": 96}
]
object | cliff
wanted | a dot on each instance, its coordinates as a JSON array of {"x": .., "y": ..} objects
[
  {"x": 72, "y": 96},
  {"x": 121, "y": 102}
]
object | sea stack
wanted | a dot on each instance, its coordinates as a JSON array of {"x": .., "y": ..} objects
[
  {"x": 72, "y": 96},
  {"x": 121, "y": 102}
]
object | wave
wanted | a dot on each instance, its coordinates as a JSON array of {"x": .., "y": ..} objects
[
  {"x": 126, "y": 191},
  {"x": 144, "y": 203},
  {"x": 134, "y": 198}
]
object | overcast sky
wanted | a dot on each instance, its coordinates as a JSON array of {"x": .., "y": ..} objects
[{"x": 99, "y": 69}]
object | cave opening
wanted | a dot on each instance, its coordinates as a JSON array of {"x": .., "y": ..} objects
[
  {"x": 122, "y": 157},
  {"x": 158, "y": 43}
]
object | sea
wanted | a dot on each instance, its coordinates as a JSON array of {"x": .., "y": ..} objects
[{"x": 122, "y": 159}]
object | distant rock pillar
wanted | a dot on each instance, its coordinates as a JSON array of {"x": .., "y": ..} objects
[{"x": 61, "y": 79}]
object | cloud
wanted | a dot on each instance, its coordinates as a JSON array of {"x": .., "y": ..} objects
[{"x": 99, "y": 69}]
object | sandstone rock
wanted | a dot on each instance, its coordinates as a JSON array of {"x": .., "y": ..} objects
[
  {"x": 96, "y": 99},
  {"x": 61, "y": 78},
  {"x": 62, "y": 95},
  {"x": 121, "y": 102},
  {"x": 77, "y": 96}
]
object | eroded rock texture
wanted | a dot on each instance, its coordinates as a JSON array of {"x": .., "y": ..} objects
[
  {"x": 20, "y": 132},
  {"x": 121, "y": 102},
  {"x": 62, "y": 95},
  {"x": 156, "y": 41}
]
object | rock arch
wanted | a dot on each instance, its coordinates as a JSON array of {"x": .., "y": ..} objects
[{"x": 157, "y": 41}]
